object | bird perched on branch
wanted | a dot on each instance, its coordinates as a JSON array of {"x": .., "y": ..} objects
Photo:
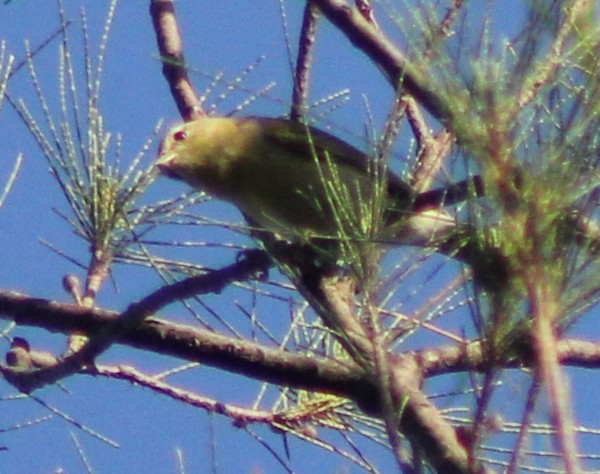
[{"x": 300, "y": 182}]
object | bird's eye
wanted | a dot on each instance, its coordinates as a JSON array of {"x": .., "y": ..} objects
[{"x": 180, "y": 136}]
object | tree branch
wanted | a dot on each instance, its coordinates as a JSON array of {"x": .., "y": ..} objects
[
  {"x": 306, "y": 49},
  {"x": 170, "y": 46},
  {"x": 188, "y": 343},
  {"x": 398, "y": 69},
  {"x": 104, "y": 335},
  {"x": 472, "y": 357},
  {"x": 420, "y": 421}
]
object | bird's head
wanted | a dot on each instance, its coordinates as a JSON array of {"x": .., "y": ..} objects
[{"x": 202, "y": 152}]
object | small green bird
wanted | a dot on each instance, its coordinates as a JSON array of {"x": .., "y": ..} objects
[{"x": 300, "y": 182}]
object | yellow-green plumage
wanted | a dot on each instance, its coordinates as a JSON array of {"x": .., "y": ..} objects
[{"x": 291, "y": 179}]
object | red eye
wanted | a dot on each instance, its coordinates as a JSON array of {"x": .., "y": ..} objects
[{"x": 180, "y": 136}]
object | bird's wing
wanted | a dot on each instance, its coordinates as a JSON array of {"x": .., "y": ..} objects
[{"x": 306, "y": 141}]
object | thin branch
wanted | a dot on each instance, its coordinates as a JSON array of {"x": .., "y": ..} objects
[
  {"x": 11, "y": 179},
  {"x": 544, "y": 73},
  {"x": 392, "y": 128},
  {"x": 545, "y": 310},
  {"x": 34, "y": 51},
  {"x": 170, "y": 46},
  {"x": 398, "y": 69},
  {"x": 524, "y": 426},
  {"x": 449, "y": 17},
  {"x": 433, "y": 149},
  {"x": 306, "y": 48},
  {"x": 472, "y": 357},
  {"x": 238, "y": 415}
]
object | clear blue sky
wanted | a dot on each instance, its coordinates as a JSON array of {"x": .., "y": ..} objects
[{"x": 220, "y": 36}]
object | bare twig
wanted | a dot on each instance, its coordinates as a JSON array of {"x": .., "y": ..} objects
[
  {"x": 11, "y": 179},
  {"x": 97, "y": 272},
  {"x": 399, "y": 70},
  {"x": 238, "y": 415},
  {"x": 540, "y": 76},
  {"x": 449, "y": 17},
  {"x": 473, "y": 357},
  {"x": 306, "y": 47},
  {"x": 524, "y": 426},
  {"x": 34, "y": 51},
  {"x": 433, "y": 150},
  {"x": 392, "y": 127},
  {"x": 170, "y": 46},
  {"x": 545, "y": 309}
]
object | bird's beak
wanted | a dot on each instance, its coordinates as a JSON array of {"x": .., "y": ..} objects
[{"x": 164, "y": 164}]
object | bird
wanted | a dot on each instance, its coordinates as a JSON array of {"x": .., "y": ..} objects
[{"x": 301, "y": 183}]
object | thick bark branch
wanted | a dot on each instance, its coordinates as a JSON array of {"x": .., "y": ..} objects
[
  {"x": 420, "y": 420},
  {"x": 255, "y": 263},
  {"x": 189, "y": 343}
]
